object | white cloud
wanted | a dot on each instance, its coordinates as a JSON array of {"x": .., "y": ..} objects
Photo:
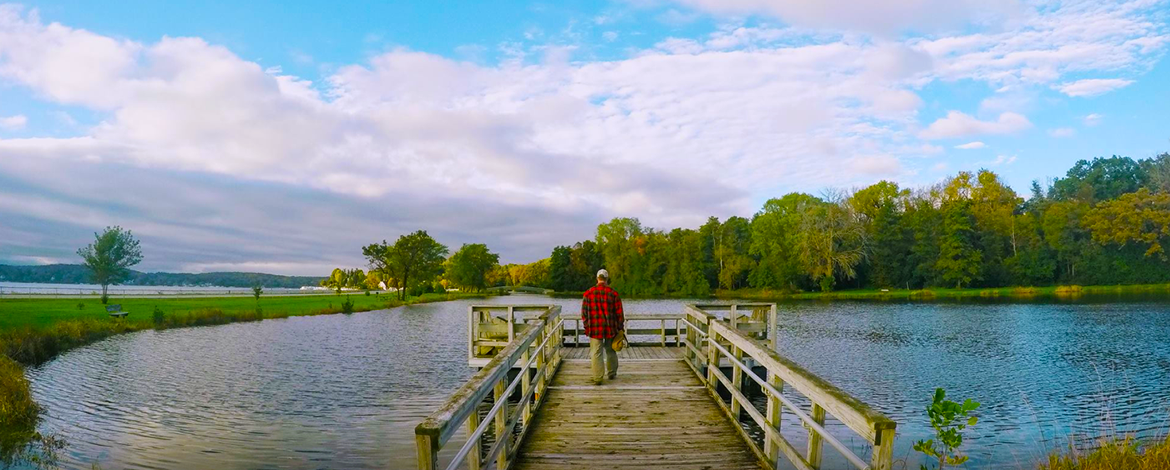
[
  {"x": 957, "y": 124},
  {"x": 1062, "y": 132},
  {"x": 1093, "y": 119},
  {"x": 13, "y": 123},
  {"x": 971, "y": 145},
  {"x": 671, "y": 134},
  {"x": 609, "y": 36},
  {"x": 1092, "y": 86}
]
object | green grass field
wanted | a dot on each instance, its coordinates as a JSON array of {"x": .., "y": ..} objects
[{"x": 22, "y": 312}]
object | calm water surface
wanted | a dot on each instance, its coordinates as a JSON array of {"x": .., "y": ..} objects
[{"x": 346, "y": 391}]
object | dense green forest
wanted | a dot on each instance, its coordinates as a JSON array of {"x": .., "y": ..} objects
[
  {"x": 79, "y": 274},
  {"x": 1102, "y": 223}
]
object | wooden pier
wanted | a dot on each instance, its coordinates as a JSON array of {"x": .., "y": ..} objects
[{"x": 532, "y": 406}]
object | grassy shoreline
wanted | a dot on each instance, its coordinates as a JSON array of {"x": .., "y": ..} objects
[
  {"x": 33, "y": 331},
  {"x": 923, "y": 295}
]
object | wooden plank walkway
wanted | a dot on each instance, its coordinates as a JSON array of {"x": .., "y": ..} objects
[
  {"x": 632, "y": 353},
  {"x": 655, "y": 414}
]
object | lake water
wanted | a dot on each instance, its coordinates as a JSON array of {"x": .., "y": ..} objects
[{"x": 346, "y": 391}]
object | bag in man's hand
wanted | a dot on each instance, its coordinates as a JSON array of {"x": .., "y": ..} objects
[{"x": 619, "y": 340}]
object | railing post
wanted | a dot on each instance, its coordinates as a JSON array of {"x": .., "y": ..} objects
[
  {"x": 473, "y": 457},
  {"x": 525, "y": 385},
  {"x": 883, "y": 450},
  {"x": 772, "y": 333},
  {"x": 511, "y": 323},
  {"x": 813, "y": 457},
  {"x": 774, "y": 412},
  {"x": 677, "y": 332},
  {"x": 663, "y": 324},
  {"x": 472, "y": 332},
  {"x": 712, "y": 359},
  {"x": 541, "y": 364},
  {"x": 428, "y": 452},
  {"x": 503, "y": 434},
  {"x": 736, "y": 378}
]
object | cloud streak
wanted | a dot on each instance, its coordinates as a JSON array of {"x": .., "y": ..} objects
[
  {"x": 1093, "y": 86},
  {"x": 957, "y": 124}
]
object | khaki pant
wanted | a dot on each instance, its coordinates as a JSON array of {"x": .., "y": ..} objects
[{"x": 596, "y": 347}]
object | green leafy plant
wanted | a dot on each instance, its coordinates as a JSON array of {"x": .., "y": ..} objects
[
  {"x": 948, "y": 419},
  {"x": 256, "y": 291},
  {"x": 81, "y": 306},
  {"x": 158, "y": 315},
  {"x": 347, "y": 306}
]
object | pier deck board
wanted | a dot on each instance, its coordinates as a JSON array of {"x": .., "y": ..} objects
[
  {"x": 629, "y": 354},
  {"x": 655, "y": 414}
]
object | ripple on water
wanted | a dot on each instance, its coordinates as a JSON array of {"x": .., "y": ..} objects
[{"x": 346, "y": 391}]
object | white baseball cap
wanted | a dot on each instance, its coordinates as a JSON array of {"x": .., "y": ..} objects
[{"x": 603, "y": 274}]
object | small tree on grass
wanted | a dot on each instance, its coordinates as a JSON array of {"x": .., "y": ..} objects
[
  {"x": 110, "y": 257},
  {"x": 256, "y": 291}
]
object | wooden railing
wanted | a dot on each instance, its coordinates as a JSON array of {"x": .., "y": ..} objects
[
  {"x": 669, "y": 330},
  {"x": 535, "y": 351},
  {"x": 709, "y": 340},
  {"x": 491, "y": 328}
]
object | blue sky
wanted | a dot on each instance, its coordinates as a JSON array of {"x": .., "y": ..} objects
[{"x": 282, "y": 136}]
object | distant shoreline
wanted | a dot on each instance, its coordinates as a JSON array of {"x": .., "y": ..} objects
[{"x": 919, "y": 295}]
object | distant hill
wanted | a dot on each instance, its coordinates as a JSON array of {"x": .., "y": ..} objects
[{"x": 78, "y": 274}]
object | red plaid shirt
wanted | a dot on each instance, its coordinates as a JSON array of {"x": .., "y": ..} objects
[{"x": 601, "y": 311}]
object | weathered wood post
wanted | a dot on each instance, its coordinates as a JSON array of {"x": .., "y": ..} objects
[
  {"x": 503, "y": 434},
  {"x": 473, "y": 457},
  {"x": 662, "y": 322},
  {"x": 883, "y": 450},
  {"x": 712, "y": 359},
  {"x": 542, "y": 360},
  {"x": 774, "y": 412},
  {"x": 736, "y": 378},
  {"x": 815, "y": 442},
  {"x": 526, "y": 383},
  {"x": 428, "y": 452},
  {"x": 472, "y": 328},
  {"x": 772, "y": 325},
  {"x": 511, "y": 323}
]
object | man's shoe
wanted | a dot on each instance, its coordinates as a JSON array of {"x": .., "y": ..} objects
[
  {"x": 612, "y": 376},
  {"x": 596, "y": 382}
]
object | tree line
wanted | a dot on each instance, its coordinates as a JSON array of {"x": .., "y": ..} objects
[
  {"x": 1104, "y": 222},
  {"x": 82, "y": 274}
]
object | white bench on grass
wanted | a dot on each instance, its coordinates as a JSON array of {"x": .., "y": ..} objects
[{"x": 115, "y": 310}]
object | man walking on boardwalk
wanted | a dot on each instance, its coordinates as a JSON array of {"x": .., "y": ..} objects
[{"x": 601, "y": 312}]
